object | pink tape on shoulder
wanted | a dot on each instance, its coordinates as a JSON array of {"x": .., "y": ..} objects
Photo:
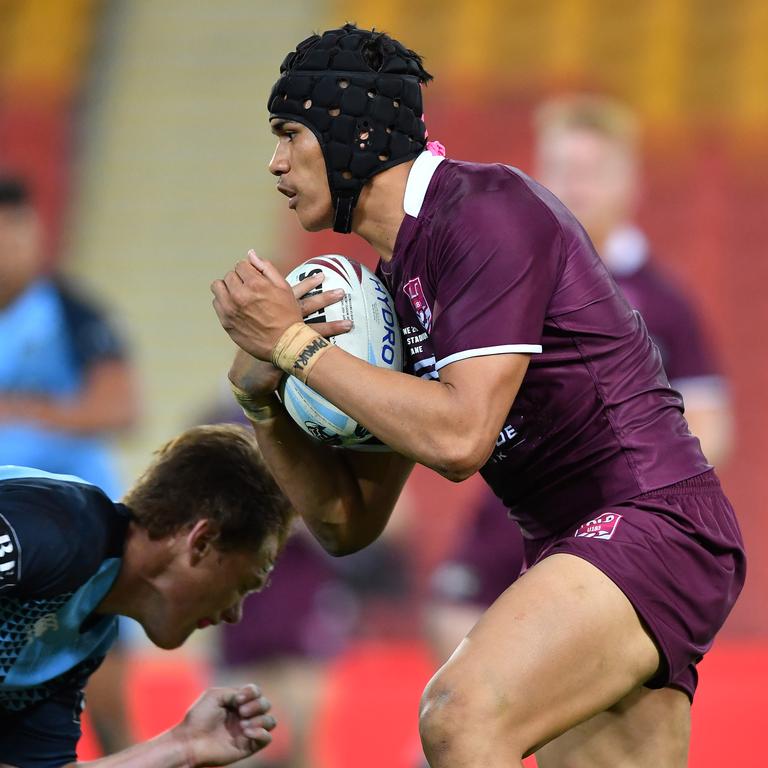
[{"x": 436, "y": 148}]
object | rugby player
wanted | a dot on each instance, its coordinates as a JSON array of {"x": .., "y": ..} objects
[
  {"x": 525, "y": 363},
  {"x": 197, "y": 532}
]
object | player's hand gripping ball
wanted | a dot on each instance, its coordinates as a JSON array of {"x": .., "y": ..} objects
[{"x": 375, "y": 337}]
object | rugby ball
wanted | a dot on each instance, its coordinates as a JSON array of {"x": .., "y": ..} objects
[{"x": 375, "y": 337}]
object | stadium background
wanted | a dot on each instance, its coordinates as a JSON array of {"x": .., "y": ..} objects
[{"x": 143, "y": 128}]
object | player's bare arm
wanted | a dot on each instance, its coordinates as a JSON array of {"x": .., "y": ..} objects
[
  {"x": 345, "y": 498},
  {"x": 450, "y": 425},
  {"x": 223, "y": 726}
]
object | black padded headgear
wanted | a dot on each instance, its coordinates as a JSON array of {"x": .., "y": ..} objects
[{"x": 365, "y": 120}]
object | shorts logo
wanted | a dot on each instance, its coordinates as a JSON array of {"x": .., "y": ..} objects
[
  {"x": 600, "y": 528},
  {"x": 415, "y": 293}
]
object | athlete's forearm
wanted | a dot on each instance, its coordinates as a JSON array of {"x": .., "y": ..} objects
[
  {"x": 321, "y": 486},
  {"x": 164, "y": 751},
  {"x": 425, "y": 420}
]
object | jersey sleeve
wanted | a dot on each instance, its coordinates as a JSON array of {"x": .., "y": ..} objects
[
  {"x": 496, "y": 271},
  {"x": 94, "y": 336},
  {"x": 49, "y": 543}
]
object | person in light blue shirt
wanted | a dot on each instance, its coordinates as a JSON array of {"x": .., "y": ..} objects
[
  {"x": 198, "y": 531},
  {"x": 66, "y": 383}
]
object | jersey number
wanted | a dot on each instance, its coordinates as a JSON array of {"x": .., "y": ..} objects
[{"x": 6, "y": 549}]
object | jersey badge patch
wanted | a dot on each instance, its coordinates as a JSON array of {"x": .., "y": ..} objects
[
  {"x": 602, "y": 527},
  {"x": 415, "y": 293}
]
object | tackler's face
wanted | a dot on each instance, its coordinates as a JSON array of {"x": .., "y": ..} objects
[
  {"x": 205, "y": 586},
  {"x": 299, "y": 165}
]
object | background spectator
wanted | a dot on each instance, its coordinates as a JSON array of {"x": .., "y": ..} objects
[
  {"x": 65, "y": 380},
  {"x": 588, "y": 153}
]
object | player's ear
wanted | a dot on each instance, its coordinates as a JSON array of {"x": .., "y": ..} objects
[{"x": 201, "y": 539}]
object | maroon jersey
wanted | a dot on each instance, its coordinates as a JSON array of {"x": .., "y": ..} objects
[{"x": 489, "y": 262}]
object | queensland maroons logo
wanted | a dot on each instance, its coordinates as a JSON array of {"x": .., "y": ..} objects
[
  {"x": 415, "y": 293},
  {"x": 601, "y": 527}
]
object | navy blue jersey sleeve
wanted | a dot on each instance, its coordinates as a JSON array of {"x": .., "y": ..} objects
[
  {"x": 94, "y": 337},
  {"x": 54, "y": 535}
]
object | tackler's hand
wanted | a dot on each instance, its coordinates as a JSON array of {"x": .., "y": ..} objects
[{"x": 225, "y": 725}]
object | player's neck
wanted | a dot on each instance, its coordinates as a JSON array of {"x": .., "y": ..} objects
[
  {"x": 142, "y": 559},
  {"x": 379, "y": 211}
]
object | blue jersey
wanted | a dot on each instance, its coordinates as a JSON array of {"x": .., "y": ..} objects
[
  {"x": 52, "y": 336},
  {"x": 61, "y": 544}
]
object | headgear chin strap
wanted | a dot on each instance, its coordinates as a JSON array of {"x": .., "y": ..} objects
[{"x": 366, "y": 121}]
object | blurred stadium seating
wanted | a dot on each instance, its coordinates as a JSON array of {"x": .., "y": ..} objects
[{"x": 44, "y": 48}]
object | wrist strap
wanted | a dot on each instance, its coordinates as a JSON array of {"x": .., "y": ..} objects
[
  {"x": 257, "y": 408},
  {"x": 298, "y": 350}
]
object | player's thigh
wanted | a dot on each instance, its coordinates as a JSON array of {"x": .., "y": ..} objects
[
  {"x": 647, "y": 727},
  {"x": 560, "y": 645}
]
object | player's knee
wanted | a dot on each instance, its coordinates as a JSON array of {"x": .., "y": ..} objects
[
  {"x": 439, "y": 718},
  {"x": 458, "y": 717}
]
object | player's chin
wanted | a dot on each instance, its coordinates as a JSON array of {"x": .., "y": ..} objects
[
  {"x": 315, "y": 221},
  {"x": 168, "y": 639}
]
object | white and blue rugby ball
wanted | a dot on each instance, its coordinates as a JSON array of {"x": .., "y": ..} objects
[{"x": 375, "y": 337}]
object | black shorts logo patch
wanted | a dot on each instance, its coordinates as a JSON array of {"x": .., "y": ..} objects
[{"x": 10, "y": 556}]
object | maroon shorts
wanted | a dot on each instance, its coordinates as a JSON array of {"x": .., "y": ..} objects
[{"x": 678, "y": 555}]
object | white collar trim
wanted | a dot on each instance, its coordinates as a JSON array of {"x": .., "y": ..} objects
[{"x": 418, "y": 181}]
